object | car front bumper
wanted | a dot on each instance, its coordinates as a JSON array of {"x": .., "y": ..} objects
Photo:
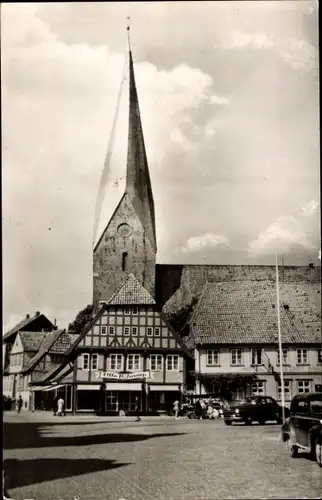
[{"x": 234, "y": 417}]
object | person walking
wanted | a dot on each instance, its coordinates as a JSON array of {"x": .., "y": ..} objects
[
  {"x": 198, "y": 409},
  {"x": 60, "y": 406},
  {"x": 176, "y": 408},
  {"x": 137, "y": 409},
  {"x": 19, "y": 404}
]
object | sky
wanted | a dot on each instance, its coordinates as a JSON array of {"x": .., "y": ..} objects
[{"x": 228, "y": 94}]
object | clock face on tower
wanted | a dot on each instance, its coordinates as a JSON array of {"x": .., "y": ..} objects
[{"x": 124, "y": 230}]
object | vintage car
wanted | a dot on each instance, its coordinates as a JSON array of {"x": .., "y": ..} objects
[
  {"x": 254, "y": 409},
  {"x": 303, "y": 428}
]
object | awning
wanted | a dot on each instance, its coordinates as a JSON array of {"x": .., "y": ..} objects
[
  {"x": 53, "y": 387},
  {"x": 164, "y": 387},
  {"x": 123, "y": 386},
  {"x": 40, "y": 387},
  {"x": 88, "y": 387}
]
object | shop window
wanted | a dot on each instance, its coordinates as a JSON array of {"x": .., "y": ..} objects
[
  {"x": 104, "y": 330},
  {"x": 301, "y": 356},
  {"x": 157, "y": 331},
  {"x": 134, "y": 331},
  {"x": 85, "y": 359},
  {"x": 303, "y": 386},
  {"x": 127, "y": 331},
  {"x": 236, "y": 356},
  {"x": 285, "y": 356},
  {"x": 116, "y": 362},
  {"x": 111, "y": 330},
  {"x": 156, "y": 362},
  {"x": 94, "y": 361},
  {"x": 133, "y": 362},
  {"x": 149, "y": 332},
  {"x": 256, "y": 356},
  {"x": 258, "y": 388},
  {"x": 172, "y": 363},
  {"x": 287, "y": 390},
  {"x": 212, "y": 357}
]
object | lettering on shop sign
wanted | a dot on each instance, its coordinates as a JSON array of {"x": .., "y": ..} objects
[{"x": 123, "y": 376}]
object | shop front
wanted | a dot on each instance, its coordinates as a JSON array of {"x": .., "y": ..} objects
[
  {"x": 45, "y": 397},
  {"x": 122, "y": 396},
  {"x": 162, "y": 396}
]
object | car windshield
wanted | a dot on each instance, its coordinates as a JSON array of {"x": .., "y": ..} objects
[
  {"x": 244, "y": 401},
  {"x": 316, "y": 406}
]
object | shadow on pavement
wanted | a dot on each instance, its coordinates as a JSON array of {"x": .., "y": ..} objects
[
  {"x": 29, "y": 435},
  {"x": 25, "y": 472}
]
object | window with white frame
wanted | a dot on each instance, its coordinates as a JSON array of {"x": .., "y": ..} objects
[
  {"x": 135, "y": 311},
  {"x": 116, "y": 362},
  {"x": 94, "y": 361},
  {"x": 301, "y": 356},
  {"x": 172, "y": 363},
  {"x": 319, "y": 356},
  {"x": 212, "y": 357},
  {"x": 104, "y": 330},
  {"x": 133, "y": 362},
  {"x": 134, "y": 331},
  {"x": 285, "y": 356},
  {"x": 256, "y": 356},
  {"x": 127, "y": 331},
  {"x": 149, "y": 331},
  {"x": 126, "y": 310},
  {"x": 85, "y": 359},
  {"x": 236, "y": 356},
  {"x": 111, "y": 330},
  {"x": 287, "y": 390},
  {"x": 258, "y": 388},
  {"x": 303, "y": 386},
  {"x": 157, "y": 331},
  {"x": 156, "y": 362}
]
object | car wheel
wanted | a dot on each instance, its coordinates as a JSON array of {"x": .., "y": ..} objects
[
  {"x": 227, "y": 422},
  {"x": 292, "y": 449},
  {"x": 248, "y": 421},
  {"x": 318, "y": 452}
]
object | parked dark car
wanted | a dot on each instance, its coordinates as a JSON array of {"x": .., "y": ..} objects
[
  {"x": 254, "y": 409},
  {"x": 303, "y": 429}
]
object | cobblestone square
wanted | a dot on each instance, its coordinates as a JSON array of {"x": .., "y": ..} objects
[{"x": 107, "y": 458}]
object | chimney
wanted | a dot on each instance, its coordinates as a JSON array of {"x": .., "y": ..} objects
[
  {"x": 37, "y": 313},
  {"x": 27, "y": 316},
  {"x": 55, "y": 322},
  {"x": 311, "y": 265}
]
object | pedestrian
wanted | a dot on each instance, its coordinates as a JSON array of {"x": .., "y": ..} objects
[
  {"x": 176, "y": 408},
  {"x": 19, "y": 404},
  {"x": 198, "y": 409},
  {"x": 60, "y": 406},
  {"x": 137, "y": 409}
]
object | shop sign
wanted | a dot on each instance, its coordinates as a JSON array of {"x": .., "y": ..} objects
[{"x": 123, "y": 376}]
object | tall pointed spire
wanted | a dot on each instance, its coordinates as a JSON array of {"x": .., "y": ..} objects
[{"x": 138, "y": 184}]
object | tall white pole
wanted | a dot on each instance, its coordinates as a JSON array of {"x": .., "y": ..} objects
[{"x": 280, "y": 338}]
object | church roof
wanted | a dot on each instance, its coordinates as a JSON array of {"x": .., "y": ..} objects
[
  {"x": 244, "y": 312},
  {"x": 131, "y": 293}
]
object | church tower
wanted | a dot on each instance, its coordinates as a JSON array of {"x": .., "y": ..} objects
[{"x": 128, "y": 243}]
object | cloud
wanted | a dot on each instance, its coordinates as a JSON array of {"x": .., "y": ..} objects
[
  {"x": 310, "y": 208},
  {"x": 219, "y": 100},
  {"x": 282, "y": 234},
  {"x": 205, "y": 241}
]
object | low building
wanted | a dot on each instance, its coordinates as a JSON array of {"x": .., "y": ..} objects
[
  {"x": 233, "y": 334},
  {"x": 128, "y": 351}
]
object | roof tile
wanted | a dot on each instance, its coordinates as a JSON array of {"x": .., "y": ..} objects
[{"x": 131, "y": 293}]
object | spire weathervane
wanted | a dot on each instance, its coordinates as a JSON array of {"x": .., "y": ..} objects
[{"x": 128, "y": 27}]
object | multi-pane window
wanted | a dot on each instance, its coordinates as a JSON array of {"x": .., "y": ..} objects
[
  {"x": 94, "y": 362},
  {"x": 287, "y": 390},
  {"x": 156, "y": 362},
  {"x": 134, "y": 331},
  {"x": 303, "y": 386},
  {"x": 319, "y": 356},
  {"x": 173, "y": 363},
  {"x": 301, "y": 356},
  {"x": 126, "y": 330},
  {"x": 213, "y": 357},
  {"x": 258, "y": 388},
  {"x": 126, "y": 310},
  {"x": 285, "y": 356},
  {"x": 104, "y": 330},
  {"x": 149, "y": 331},
  {"x": 85, "y": 361},
  {"x": 236, "y": 356},
  {"x": 133, "y": 362},
  {"x": 256, "y": 356},
  {"x": 111, "y": 330},
  {"x": 135, "y": 311},
  {"x": 157, "y": 331},
  {"x": 116, "y": 361}
]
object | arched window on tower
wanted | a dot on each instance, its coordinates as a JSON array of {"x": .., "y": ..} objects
[{"x": 124, "y": 261}]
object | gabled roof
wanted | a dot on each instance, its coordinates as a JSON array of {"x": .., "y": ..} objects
[
  {"x": 31, "y": 341},
  {"x": 56, "y": 342},
  {"x": 244, "y": 312},
  {"x": 24, "y": 323},
  {"x": 131, "y": 293}
]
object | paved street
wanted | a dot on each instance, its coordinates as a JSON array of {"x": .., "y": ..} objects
[{"x": 109, "y": 459}]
